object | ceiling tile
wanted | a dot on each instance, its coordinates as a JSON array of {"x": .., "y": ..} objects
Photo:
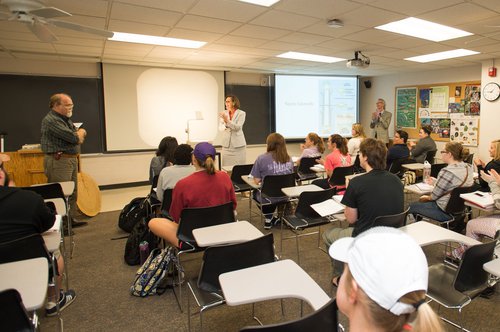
[
  {"x": 141, "y": 14},
  {"x": 207, "y": 24},
  {"x": 233, "y": 10},
  {"x": 284, "y": 20}
]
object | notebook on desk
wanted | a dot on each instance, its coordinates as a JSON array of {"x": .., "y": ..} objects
[
  {"x": 479, "y": 198},
  {"x": 328, "y": 207}
]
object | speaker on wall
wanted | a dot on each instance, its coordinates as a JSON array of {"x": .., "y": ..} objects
[{"x": 368, "y": 84}]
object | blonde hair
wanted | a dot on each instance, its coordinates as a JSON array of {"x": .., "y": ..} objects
[
  {"x": 497, "y": 149},
  {"x": 424, "y": 318},
  {"x": 208, "y": 164},
  {"x": 358, "y": 128},
  {"x": 317, "y": 141}
]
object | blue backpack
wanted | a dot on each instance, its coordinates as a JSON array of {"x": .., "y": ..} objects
[{"x": 151, "y": 278}]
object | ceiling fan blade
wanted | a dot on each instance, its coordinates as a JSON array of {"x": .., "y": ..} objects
[
  {"x": 49, "y": 12},
  {"x": 81, "y": 28},
  {"x": 42, "y": 32}
]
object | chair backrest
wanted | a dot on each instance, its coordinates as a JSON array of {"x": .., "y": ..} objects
[
  {"x": 167, "y": 199},
  {"x": 470, "y": 274},
  {"x": 48, "y": 191},
  {"x": 307, "y": 198},
  {"x": 272, "y": 184},
  {"x": 397, "y": 165},
  {"x": 357, "y": 165},
  {"x": 306, "y": 163},
  {"x": 469, "y": 158},
  {"x": 435, "y": 168},
  {"x": 456, "y": 204},
  {"x": 240, "y": 170},
  {"x": 323, "y": 319},
  {"x": 154, "y": 183},
  {"x": 13, "y": 316},
  {"x": 31, "y": 246},
  {"x": 222, "y": 259},
  {"x": 392, "y": 220},
  {"x": 429, "y": 156},
  {"x": 192, "y": 218},
  {"x": 339, "y": 174}
]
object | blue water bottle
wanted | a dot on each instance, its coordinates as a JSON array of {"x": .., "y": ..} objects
[{"x": 143, "y": 251}]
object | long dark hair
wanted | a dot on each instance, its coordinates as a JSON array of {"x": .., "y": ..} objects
[{"x": 166, "y": 148}]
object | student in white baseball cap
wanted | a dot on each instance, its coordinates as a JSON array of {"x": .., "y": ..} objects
[{"x": 384, "y": 282}]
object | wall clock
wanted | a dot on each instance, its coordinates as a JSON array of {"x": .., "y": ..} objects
[{"x": 491, "y": 91}]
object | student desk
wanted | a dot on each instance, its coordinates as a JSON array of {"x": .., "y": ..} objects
[
  {"x": 294, "y": 192},
  {"x": 52, "y": 237},
  {"x": 249, "y": 180},
  {"x": 426, "y": 233},
  {"x": 233, "y": 232},
  {"x": 29, "y": 277},
  {"x": 414, "y": 166},
  {"x": 493, "y": 267},
  {"x": 252, "y": 284}
]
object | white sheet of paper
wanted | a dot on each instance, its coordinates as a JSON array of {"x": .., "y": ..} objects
[
  {"x": 328, "y": 207},
  {"x": 78, "y": 124}
]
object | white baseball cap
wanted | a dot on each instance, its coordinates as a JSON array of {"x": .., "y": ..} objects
[{"x": 386, "y": 263}]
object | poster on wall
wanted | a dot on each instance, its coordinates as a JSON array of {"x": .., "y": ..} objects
[
  {"x": 440, "y": 126},
  {"x": 406, "y": 107},
  {"x": 465, "y": 130},
  {"x": 472, "y": 99},
  {"x": 438, "y": 101}
]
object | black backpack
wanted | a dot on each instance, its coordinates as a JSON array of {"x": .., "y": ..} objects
[
  {"x": 139, "y": 233},
  {"x": 132, "y": 213}
]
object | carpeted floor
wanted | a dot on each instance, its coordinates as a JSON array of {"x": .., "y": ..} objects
[{"x": 102, "y": 280}]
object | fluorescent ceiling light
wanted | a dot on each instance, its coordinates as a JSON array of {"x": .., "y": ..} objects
[
  {"x": 415, "y": 27},
  {"x": 309, "y": 57},
  {"x": 442, "y": 55},
  {"x": 267, "y": 3},
  {"x": 155, "y": 40}
]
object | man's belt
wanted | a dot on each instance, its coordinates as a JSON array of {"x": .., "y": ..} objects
[{"x": 59, "y": 155}]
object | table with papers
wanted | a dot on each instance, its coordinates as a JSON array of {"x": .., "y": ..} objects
[{"x": 420, "y": 188}]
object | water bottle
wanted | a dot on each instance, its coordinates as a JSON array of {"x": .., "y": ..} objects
[
  {"x": 427, "y": 170},
  {"x": 143, "y": 251}
]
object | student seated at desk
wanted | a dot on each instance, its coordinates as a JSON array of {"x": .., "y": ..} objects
[
  {"x": 180, "y": 169},
  {"x": 384, "y": 282},
  {"x": 456, "y": 174},
  {"x": 375, "y": 193},
  {"x": 312, "y": 147},
  {"x": 425, "y": 145},
  {"x": 339, "y": 157},
  {"x": 358, "y": 135},
  {"x": 275, "y": 161},
  {"x": 205, "y": 187},
  {"x": 489, "y": 225},
  {"x": 494, "y": 163},
  {"x": 24, "y": 213},
  {"x": 399, "y": 149},
  {"x": 164, "y": 156}
]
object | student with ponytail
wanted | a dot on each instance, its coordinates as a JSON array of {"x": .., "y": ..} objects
[
  {"x": 205, "y": 187},
  {"x": 384, "y": 282}
]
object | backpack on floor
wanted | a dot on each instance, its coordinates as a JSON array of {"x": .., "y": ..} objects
[
  {"x": 132, "y": 213},
  {"x": 139, "y": 233},
  {"x": 152, "y": 276}
]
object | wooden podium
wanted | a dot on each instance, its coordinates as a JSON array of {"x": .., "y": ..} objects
[{"x": 26, "y": 168}]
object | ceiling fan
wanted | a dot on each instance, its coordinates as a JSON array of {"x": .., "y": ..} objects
[{"x": 38, "y": 17}]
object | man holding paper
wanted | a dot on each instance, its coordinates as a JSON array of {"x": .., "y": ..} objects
[
  {"x": 375, "y": 193},
  {"x": 60, "y": 142}
]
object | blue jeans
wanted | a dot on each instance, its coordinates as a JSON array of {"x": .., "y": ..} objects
[{"x": 430, "y": 210}]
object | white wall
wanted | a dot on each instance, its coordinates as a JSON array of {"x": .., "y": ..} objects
[
  {"x": 385, "y": 87},
  {"x": 490, "y": 114}
]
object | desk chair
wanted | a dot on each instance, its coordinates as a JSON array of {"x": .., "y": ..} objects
[
  {"x": 13, "y": 316},
  {"x": 165, "y": 204},
  {"x": 30, "y": 246},
  {"x": 397, "y": 165},
  {"x": 270, "y": 192},
  {"x": 337, "y": 179},
  {"x": 324, "y": 319},
  {"x": 469, "y": 158},
  {"x": 206, "y": 288},
  {"x": 192, "y": 218},
  {"x": 393, "y": 220},
  {"x": 435, "y": 168},
  {"x": 304, "y": 172},
  {"x": 305, "y": 216},
  {"x": 429, "y": 156},
  {"x": 455, "y": 288},
  {"x": 239, "y": 185},
  {"x": 357, "y": 165},
  {"x": 456, "y": 209}
]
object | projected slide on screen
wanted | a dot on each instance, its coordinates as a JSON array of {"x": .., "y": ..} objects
[{"x": 322, "y": 104}]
